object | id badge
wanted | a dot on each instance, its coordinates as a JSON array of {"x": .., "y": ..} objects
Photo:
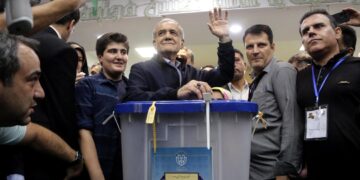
[{"x": 316, "y": 123}]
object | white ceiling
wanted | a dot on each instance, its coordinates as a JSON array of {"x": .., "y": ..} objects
[{"x": 283, "y": 21}]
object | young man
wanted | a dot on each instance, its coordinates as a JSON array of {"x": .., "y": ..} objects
[
  {"x": 163, "y": 77},
  {"x": 328, "y": 93},
  {"x": 276, "y": 149},
  {"x": 96, "y": 97},
  {"x": 238, "y": 86}
]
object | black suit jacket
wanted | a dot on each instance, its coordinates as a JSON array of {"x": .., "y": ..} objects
[
  {"x": 58, "y": 66},
  {"x": 157, "y": 80}
]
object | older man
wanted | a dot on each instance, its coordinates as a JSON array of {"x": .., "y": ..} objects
[{"x": 164, "y": 78}]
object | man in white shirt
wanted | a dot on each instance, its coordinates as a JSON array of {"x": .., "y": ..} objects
[{"x": 238, "y": 86}]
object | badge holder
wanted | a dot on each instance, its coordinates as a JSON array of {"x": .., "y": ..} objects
[{"x": 316, "y": 123}]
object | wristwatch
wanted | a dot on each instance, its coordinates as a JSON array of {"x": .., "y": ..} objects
[{"x": 78, "y": 158}]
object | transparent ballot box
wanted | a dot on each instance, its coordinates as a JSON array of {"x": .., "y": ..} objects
[{"x": 180, "y": 145}]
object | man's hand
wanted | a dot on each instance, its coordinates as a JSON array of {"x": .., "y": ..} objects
[
  {"x": 193, "y": 90},
  {"x": 282, "y": 178},
  {"x": 354, "y": 17},
  {"x": 218, "y": 25},
  {"x": 74, "y": 170}
]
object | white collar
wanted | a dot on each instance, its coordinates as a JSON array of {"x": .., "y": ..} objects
[
  {"x": 57, "y": 32},
  {"x": 177, "y": 63}
]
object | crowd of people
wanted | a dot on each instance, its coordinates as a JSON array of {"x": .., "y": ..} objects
[{"x": 63, "y": 115}]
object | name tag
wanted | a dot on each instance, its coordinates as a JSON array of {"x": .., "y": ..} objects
[{"x": 316, "y": 123}]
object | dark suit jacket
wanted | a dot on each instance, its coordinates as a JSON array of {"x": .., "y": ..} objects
[
  {"x": 157, "y": 80},
  {"x": 58, "y": 66},
  {"x": 57, "y": 110}
]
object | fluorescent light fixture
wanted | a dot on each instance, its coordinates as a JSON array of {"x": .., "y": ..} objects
[
  {"x": 235, "y": 28},
  {"x": 146, "y": 52},
  {"x": 302, "y": 48}
]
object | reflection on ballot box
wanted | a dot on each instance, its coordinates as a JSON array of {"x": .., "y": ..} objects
[{"x": 176, "y": 146}]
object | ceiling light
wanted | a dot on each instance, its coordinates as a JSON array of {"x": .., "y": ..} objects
[
  {"x": 235, "y": 28},
  {"x": 146, "y": 52}
]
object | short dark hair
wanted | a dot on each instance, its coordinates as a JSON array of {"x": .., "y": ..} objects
[
  {"x": 108, "y": 38},
  {"x": 9, "y": 61},
  {"x": 333, "y": 22},
  {"x": 258, "y": 29},
  {"x": 75, "y": 15},
  {"x": 348, "y": 36},
  {"x": 238, "y": 51}
]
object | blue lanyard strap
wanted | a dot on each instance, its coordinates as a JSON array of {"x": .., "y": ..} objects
[{"x": 316, "y": 90}]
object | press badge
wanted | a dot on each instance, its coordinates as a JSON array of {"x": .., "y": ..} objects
[{"x": 316, "y": 123}]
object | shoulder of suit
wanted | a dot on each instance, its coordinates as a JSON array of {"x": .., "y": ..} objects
[{"x": 283, "y": 65}]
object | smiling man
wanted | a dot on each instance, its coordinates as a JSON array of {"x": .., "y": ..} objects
[
  {"x": 275, "y": 150},
  {"x": 165, "y": 78},
  {"x": 330, "y": 90},
  {"x": 96, "y": 97}
]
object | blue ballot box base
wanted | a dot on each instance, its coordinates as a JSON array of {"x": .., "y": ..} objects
[{"x": 184, "y": 160}]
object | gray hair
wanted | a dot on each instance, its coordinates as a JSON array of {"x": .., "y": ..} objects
[{"x": 168, "y": 20}]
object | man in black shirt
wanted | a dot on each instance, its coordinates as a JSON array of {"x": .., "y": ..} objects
[{"x": 328, "y": 91}]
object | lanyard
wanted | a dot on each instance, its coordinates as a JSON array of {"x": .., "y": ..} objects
[{"x": 316, "y": 90}]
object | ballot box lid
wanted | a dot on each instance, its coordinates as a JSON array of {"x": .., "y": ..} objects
[{"x": 187, "y": 106}]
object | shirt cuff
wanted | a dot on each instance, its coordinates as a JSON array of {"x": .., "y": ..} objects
[{"x": 15, "y": 177}]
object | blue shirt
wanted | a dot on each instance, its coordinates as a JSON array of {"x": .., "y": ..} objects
[{"x": 96, "y": 98}]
